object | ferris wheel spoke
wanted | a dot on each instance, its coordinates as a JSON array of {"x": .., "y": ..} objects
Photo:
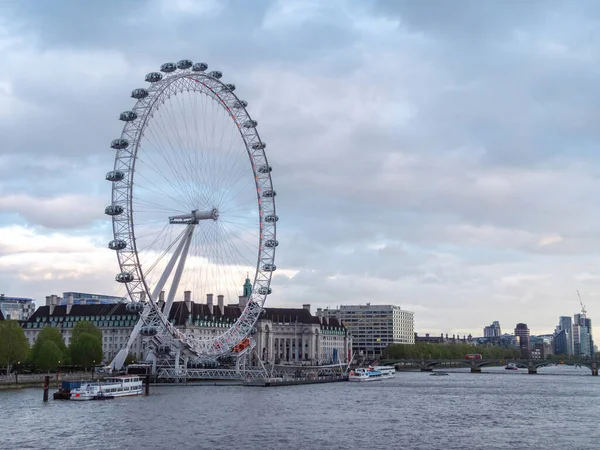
[{"x": 169, "y": 158}]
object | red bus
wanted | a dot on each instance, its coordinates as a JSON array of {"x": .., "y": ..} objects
[{"x": 473, "y": 356}]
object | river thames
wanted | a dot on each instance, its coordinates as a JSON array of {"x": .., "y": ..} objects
[{"x": 497, "y": 409}]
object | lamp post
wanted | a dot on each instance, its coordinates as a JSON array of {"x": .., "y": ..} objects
[
  {"x": 57, "y": 372},
  {"x": 17, "y": 372},
  {"x": 93, "y": 367}
]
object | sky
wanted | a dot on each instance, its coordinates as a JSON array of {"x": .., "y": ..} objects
[{"x": 441, "y": 156}]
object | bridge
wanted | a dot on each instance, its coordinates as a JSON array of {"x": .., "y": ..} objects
[{"x": 532, "y": 365}]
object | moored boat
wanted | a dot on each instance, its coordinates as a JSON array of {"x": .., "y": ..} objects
[
  {"x": 386, "y": 371},
  {"x": 512, "y": 366},
  {"x": 362, "y": 374},
  {"x": 109, "y": 388}
]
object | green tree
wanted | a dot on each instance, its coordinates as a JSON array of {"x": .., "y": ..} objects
[
  {"x": 14, "y": 346},
  {"x": 86, "y": 350},
  {"x": 86, "y": 345},
  {"x": 58, "y": 351},
  {"x": 49, "y": 356},
  {"x": 86, "y": 327}
]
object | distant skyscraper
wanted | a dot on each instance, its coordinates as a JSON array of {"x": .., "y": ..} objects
[
  {"x": 523, "y": 338},
  {"x": 566, "y": 323},
  {"x": 492, "y": 330},
  {"x": 582, "y": 335}
]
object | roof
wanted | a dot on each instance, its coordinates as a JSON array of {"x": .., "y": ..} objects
[
  {"x": 180, "y": 315},
  {"x": 80, "y": 310}
]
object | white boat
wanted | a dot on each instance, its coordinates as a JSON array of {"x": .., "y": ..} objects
[
  {"x": 109, "y": 388},
  {"x": 362, "y": 374},
  {"x": 386, "y": 371},
  {"x": 512, "y": 366}
]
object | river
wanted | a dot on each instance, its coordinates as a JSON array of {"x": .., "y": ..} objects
[{"x": 497, "y": 409}]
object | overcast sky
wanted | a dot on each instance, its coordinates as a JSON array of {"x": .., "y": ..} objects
[{"x": 438, "y": 155}]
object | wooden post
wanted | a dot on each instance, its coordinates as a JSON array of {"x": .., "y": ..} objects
[
  {"x": 147, "y": 390},
  {"x": 46, "y": 387}
]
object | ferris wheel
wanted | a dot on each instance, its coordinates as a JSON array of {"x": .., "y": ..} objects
[{"x": 193, "y": 206}]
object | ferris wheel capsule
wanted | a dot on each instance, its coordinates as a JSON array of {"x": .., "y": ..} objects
[
  {"x": 128, "y": 116},
  {"x": 115, "y": 175},
  {"x": 216, "y": 74},
  {"x": 134, "y": 307},
  {"x": 199, "y": 67},
  {"x": 168, "y": 67},
  {"x": 153, "y": 77},
  {"x": 139, "y": 93},
  {"x": 184, "y": 64},
  {"x": 119, "y": 144}
]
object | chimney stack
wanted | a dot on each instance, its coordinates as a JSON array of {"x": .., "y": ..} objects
[
  {"x": 242, "y": 300},
  {"x": 69, "y": 304},
  {"x": 187, "y": 297},
  {"x": 221, "y": 304},
  {"x": 306, "y": 307},
  {"x": 48, "y": 300},
  {"x": 209, "y": 302},
  {"x": 53, "y": 302},
  {"x": 161, "y": 300}
]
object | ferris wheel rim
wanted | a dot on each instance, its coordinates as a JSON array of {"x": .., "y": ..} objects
[{"x": 128, "y": 257}]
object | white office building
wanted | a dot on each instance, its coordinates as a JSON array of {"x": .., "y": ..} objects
[{"x": 374, "y": 327}]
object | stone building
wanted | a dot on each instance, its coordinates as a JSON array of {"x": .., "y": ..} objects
[
  {"x": 283, "y": 335},
  {"x": 115, "y": 322}
]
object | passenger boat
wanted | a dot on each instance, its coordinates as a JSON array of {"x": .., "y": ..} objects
[
  {"x": 386, "y": 371},
  {"x": 109, "y": 388},
  {"x": 362, "y": 374},
  {"x": 512, "y": 366}
]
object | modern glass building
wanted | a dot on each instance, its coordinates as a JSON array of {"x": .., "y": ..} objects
[
  {"x": 84, "y": 298},
  {"x": 16, "y": 308}
]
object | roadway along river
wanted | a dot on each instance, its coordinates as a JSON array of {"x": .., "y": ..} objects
[{"x": 497, "y": 409}]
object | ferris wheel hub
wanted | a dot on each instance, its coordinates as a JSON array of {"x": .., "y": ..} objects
[{"x": 194, "y": 217}]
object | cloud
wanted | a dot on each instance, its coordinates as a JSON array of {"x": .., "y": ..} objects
[{"x": 439, "y": 157}]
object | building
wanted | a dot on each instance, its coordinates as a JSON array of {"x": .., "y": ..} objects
[
  {"x": 374, "y": 327},
  {"x": 561, "y": 343},
  {"x": 16, "y": 308},
  {"x": 565, "y": 323},
  {"x": 583, "y": 344},
  {"x": 115, "y": 322},
  {"x": 492, "y": 330},
  {"x": 524, "y": 340},
  {"x": 1, "y": 315},
  {"x": 83, "y": 298},
  {"x": 283, "y": 335}
]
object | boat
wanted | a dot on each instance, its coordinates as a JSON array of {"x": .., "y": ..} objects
[
  {"x": 386, "y": 371},
  {"x": 122, "y": 386},
  {"x": 362, "y": 374},
  {"x": 438, "y": 374},
  {"x": 511, "y": 366},
  {"x": 64, "y": 392}
]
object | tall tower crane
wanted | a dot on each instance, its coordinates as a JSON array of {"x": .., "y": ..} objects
[{"x": 583, "y": 311}]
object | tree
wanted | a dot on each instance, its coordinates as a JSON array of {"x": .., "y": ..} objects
[
  {"x": 57, "y": 352},
  {"x": 14, "y": 346},
  {"x": 49, "y": 356},
  {"x": 85, "y": 350},
  {"x": 86, "y": 345},
  {"x": 86, "y": 327}
]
